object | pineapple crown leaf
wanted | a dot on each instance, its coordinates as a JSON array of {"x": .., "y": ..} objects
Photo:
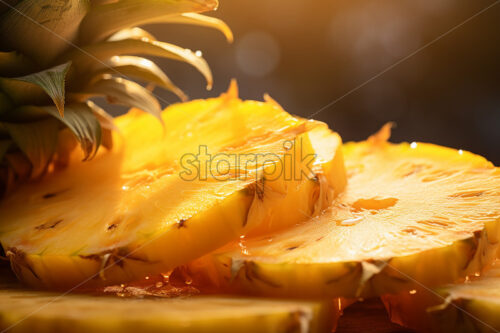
[
  {"x": 37, "y": 140},
  {"x": 52, "y": 81},
  {"x": 100, "y": 52},
  {"x": 107, "y": 124},
  {"x": 102, "y": 116},
  {"x": 24, "y": 113},
  {"x": 80, "y": 119},
  {"x": 124, "y": 92},
  {"x": 57, "y": 54},
  {"x": 14, "y": 64},
  {"x": 142, "y": 69},
  {"x": 104, "y": 19},
  {"x": 202, "y": 20},
  {"x": 131, "y": 33}
]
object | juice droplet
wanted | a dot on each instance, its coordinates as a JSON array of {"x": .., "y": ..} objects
[
  {"x": 166, "y": 276},
  {"x": 242, "y": 245},
  {"x": 352, "y": 221}
]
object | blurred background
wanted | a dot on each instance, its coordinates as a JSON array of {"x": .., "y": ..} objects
[{"x": 307, "y": 54}]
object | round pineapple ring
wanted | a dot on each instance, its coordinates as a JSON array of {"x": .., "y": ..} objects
[
  {"x": 154, "y": 202},
  {"x": 411, "y": 215}
]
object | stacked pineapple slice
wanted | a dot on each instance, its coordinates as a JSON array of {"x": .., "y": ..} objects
[
  {"x": 147, "y": 206},
  {"x": 411, "y": 215},
  {"x": 239, "y": 196}
]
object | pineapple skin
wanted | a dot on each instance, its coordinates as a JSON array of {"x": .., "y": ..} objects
[{"x": 449, "y": 263}]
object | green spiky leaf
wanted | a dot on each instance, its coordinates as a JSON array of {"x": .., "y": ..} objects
[
  {"x": 124, "y": 92},
  {"x": 15, "y": 64},
  {"x": 23, "y": 93},
  {"x": 80, "y": 119},
  {"x": 131, "y": 33},
  {"x": 102, "y": 116},
  {"x": 201, "y": 20},
  {"x": 107, "y": 124},
  {"x": 142, "y": 69},
  {"x": 34, "y": 88},
  {"x": 102, "y": 51},
  {"x": 52, "y": 81},
  {"x": 37, "y": 140},
  {"x": 42, "y": 29},
  {"x": 105, "y": 19},
  {"x": 24, "y": 113}
]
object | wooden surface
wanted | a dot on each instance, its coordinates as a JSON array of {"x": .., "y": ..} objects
[{"x": 368, "y": 316}]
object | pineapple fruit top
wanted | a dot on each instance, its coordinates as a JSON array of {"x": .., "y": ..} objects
[
  {"x": 55, "y": 55},
  {"x": 144, "y": 208},
  {"x": 410, "y": 214}
]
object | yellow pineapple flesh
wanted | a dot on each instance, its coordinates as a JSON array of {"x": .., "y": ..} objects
[
  {"x": 23, "y": 310},
  {"x": 410, "y": 215},
  {"x": 141, "y": 209}
]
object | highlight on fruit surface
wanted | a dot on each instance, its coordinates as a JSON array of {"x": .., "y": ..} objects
[
  {"x": 58, "y": 54},
  {"x": 470, "y": 306},
  {"x": 410, "y": 215},
  {"x": 160, "y": 198}
]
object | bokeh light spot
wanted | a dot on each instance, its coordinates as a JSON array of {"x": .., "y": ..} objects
[{"x": 257, "y": 54}]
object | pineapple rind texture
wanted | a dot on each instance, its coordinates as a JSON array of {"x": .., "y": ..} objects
[
  {"x": 426, "y": 215},
  {"x": 58, "y": 54},
  {"x": 24, "y": 310},
  {"x": 129, "y": 213}
]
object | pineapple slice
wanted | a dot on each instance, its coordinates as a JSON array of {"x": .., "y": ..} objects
[
  {"x": 471, "y": 306},
  {"x": 411, "y": 214},
  {"x": 147, "y": 207},
  {"x": 33, "y": 311}
]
